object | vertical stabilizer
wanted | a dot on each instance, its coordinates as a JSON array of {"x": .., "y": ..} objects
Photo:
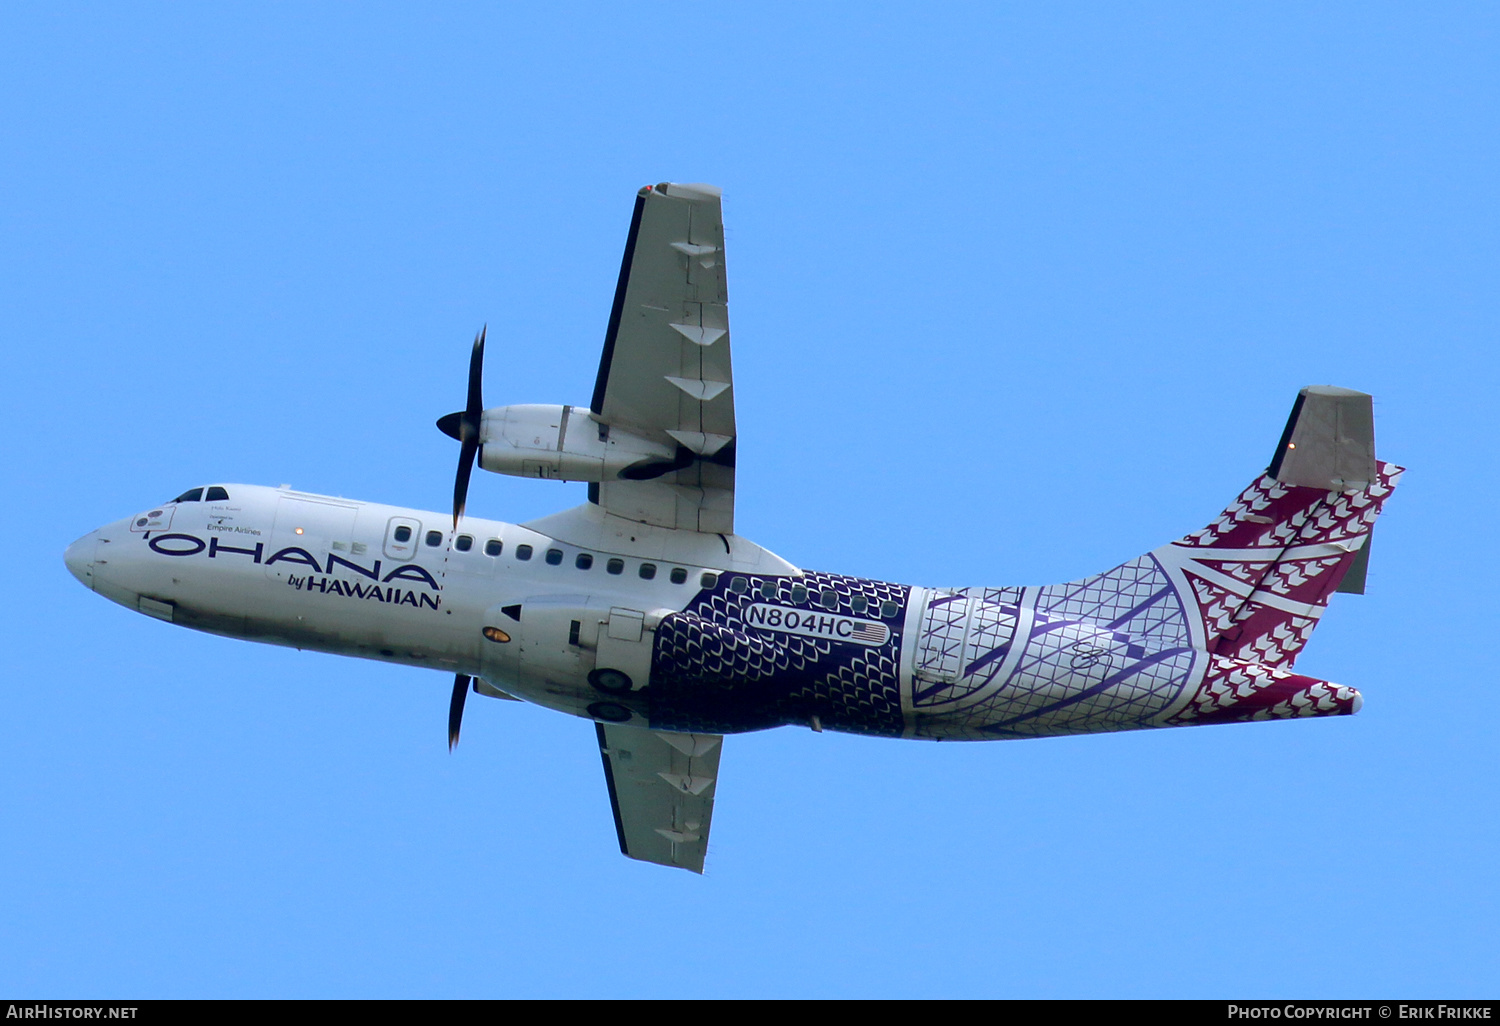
[{"x": 1329, "y": 441}]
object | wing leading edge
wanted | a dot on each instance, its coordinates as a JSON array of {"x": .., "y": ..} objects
[
  {"x": 661, "y": 788},
  {"x": 665, "y": 373}
]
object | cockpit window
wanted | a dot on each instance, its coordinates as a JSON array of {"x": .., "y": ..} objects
[
  {"x": 216, "y": 494},
  {"x": 191, "y": 495}
]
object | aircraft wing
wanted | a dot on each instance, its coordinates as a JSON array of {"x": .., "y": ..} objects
[
  {"x": 661, "y": 787},
  {"x": 665, "y": 371}
]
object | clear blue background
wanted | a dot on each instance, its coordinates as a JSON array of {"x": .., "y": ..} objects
[{"x": 1018, "y": 292}]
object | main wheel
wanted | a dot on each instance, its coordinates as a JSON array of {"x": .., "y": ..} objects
[
  {"x": 609, "y": 712},
  {"x": 611, "y": 682}
]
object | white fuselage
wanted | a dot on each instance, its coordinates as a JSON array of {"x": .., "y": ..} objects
[
  {"x": 621, "y": 622},
  {"x": 401, "y": 585}
]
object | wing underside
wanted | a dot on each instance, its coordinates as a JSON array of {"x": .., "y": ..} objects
[
  {"x": 661, "y": 788},
  {"x": 665, "y": 373}
]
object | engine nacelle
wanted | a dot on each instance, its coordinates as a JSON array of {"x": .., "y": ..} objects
[{"x": 562, "y": 443}]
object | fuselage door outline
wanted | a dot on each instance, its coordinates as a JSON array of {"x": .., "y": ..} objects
[{"x": 401, "y": 544}]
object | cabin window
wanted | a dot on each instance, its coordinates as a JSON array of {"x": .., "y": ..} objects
[
  {"x": 493, "y": 547},
  {"x": 217, "y": 494},
  {"x": 615, "y": 566},
  {"x": 191, "y": 495},
  {"x": 830, "y": 599},
  {"x": 679, "y": 575},
  {"x": 888, "y": 609},
  {"x": 739, "y": 585},
  {"x": 648, "y": 571},
  {"x": 859, "y": 604},
  {"x": 523, "y": 552},
  {"x": 708, "y": 580},
  {"x": 582, "y": 561},
  {"x": 464, "y": 542},
  {"x": 554, "y": 557},
  {"x": 799, "y": 593},
  {"x": 403, "y": 534},
  {"x": 434, "y": 539},
  {"x": 768, "y": 590}
]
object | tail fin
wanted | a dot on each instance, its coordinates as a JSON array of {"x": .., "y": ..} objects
[{"x": 1263, "y": 571}]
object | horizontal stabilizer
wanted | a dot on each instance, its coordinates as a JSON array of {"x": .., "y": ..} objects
[
  {"x": 1329, "y": 441},
  {"x": 1354, "y": 578}
]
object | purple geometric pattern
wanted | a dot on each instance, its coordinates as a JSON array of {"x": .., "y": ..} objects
[
  {"x": 712, "y": 672},
  {"x": 963, "y": 643},
  {"x": 1198, "y": 631},
  {"x": 1235, "y": 691},
  {"x": 1109, "y": 652},
  {"x": 1260, "y": 577},
  {"x": 1203, "y": 630}
]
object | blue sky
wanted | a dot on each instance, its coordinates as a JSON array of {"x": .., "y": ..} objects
[{"x": 1017, "y": 293}]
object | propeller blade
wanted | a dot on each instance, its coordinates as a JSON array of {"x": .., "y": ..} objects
[
  {"x": 476, "y": 369},
  {"x": 465, "y": 426},
  {"x": 466, "y": 456},
  {"x": 456, "y": 708}
]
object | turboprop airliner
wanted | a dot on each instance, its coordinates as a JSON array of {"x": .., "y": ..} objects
[{"x": 644, "y": 611}]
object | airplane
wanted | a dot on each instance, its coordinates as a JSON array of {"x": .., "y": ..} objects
[{"x": 644, "y": 612}]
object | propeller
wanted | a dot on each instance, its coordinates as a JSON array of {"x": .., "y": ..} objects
[
  {"x": 464, "y": 426},
  {"x": 456, "y": 708}
]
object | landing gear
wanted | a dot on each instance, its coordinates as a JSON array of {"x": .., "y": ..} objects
[
  {"x": 611, "y": 682},
  {"x": 609, "y": 712}
]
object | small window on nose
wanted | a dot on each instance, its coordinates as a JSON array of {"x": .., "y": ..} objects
[
  {"x": 217, "y": 494},
  {"x": 191, "y": 495}
]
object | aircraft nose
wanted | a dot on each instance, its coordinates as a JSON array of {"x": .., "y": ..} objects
[{"x": 80, "y": 558}]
